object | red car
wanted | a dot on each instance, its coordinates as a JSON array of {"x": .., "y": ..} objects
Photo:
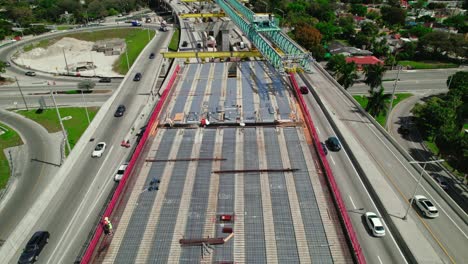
[{"x": 225, "y": 218}]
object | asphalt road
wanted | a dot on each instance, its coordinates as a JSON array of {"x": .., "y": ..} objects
[
  {"x": 448, "y": 233},
  {"x": 42, "y": 147},
  {"x": 355, "y": 196},
  {"x": 415, "y": 81},
  {"x": 72, "y": 213}
]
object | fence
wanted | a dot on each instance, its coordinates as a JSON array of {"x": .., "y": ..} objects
[
  {"x": 110, "y": 207},
  {"x": 359, "y": 256}
]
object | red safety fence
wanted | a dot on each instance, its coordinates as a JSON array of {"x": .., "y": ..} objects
[
  {"x": 331, "y": 179},
  {"x": 110, "y": 207}
]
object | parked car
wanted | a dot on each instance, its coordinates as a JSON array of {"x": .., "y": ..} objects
[
  {"x": 442, "y": 182},
  {"x": 151, "y": 55},
  {"x": 324, "y": 147},
  {"x": 99, "y": 149},
  {"x": 304, "y": 90},
  {"x": 34, "y": 247},
  {"x": 105, "y": 80},
  {"x": 333, "y": 144},
  {"x": 427, "y": 208},
  {"x": 30, "y": 73},
  {"x": 120, "y": 172},
  {"x": 120, "y": 111},
  {"x": 184, "y": 43},
  {"x": 374, "y": 224},
  {"x": 137, "y": 77}
]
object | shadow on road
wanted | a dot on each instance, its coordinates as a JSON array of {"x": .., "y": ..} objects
[{"x": 46, "y": 162}]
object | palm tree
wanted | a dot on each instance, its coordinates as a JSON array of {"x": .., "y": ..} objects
[
  {"x": 376, "y": 102},
  {"x": 347, "y": 75},
  {"x": 374, "y": 74}
]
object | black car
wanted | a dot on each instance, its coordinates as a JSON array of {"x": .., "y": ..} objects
[
  {"x": 30, "y": 73},
  {"x": 333, "y": 144},
  {"x": 137, "y": 77},
  {"x": 151, "y": 56},
  {"x": 34, "y": 247},
  {"x": 184, "y": 43},
  {"x": 304, "y": 90},
  {"x": 120, "y": 111},
  {"x": 105, "y": 80}
]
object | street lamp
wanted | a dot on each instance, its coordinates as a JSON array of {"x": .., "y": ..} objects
[
  {"x": 282, "y": 12},
  {"x": 65, "y": 136},
  {"x": 266, "y": 5},
  {"x": 393, "y": 96},
  {"x": 419, "y": 181}
]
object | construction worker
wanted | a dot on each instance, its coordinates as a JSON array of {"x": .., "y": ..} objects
[{"x": 107, "y": 226}]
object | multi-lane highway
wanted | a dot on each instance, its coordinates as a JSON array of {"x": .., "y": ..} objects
[
  {"x": 75, "y": 196},
  {"x": 394, "y": 180}
]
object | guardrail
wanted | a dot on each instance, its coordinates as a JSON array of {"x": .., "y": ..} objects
[
  {"x": 351, "y": 234},
  {"x": 115, "y": 198}
]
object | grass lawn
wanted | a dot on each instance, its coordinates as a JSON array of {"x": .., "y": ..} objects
[
  {"x": 64, "y": 27},
  {"x": 74, "y": 127},
  {"x": 174, "y": 45},
  {"x": 427, "y": 64},
  {"x": 41, "y": 44},
  {"x": 362, "y": 100},
  {"x": 9, "y": 139}
]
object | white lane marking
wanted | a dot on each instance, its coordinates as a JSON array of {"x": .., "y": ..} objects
[
  {"x": 81, "y": 207},
  {"x": 331, "y": 157},
  {"x": 352, "y": 202},
  {"x": 364, "y": 188},
  {"x": 379, "y": 259},
  {"x": 371, "y": 127},
  {"x": 318, "y": 130}
]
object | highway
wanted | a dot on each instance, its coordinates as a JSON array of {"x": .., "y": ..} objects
[
  {"x": 355, "y": 195},
  {"x": 385, "y": 166},
  {"x": 79, "y": 199}
]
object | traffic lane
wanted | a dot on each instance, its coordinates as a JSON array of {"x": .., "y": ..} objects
[
  {"x": 421, "y": 86},
  {"x": 35, "y": 175},
  {"x": 33, "y": 101},
  {"x": 355, "y": 196},
  {"x": 391, "y": 165},
  {"x": 29, "y": 89}
]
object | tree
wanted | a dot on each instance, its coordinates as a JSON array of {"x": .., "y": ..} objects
[
  {"x": 458, "y": 22},
  {"x": 347, "y": 75},
  {"x": 380, "y": 48},
  {"x": 358, "y": 10},
  {"x": 425, "y": 19},
  {"x": 440, "y": 44},
  {"x": 393, "y": 15},
  {"x": 374, "y": 74},
  {"x": 419, "y": 31},
  {"x": 393, "y": 3},
  {"x": 407, "y": 51},
  {"x": 307, "y": 36},
  {"x": 328, "y": 30},
  {"x": 86, "y": 85},
  {"x": 377, "y": 102},
  {"x": 347, "y": 26},
  {"x": 335, "y": 64}
]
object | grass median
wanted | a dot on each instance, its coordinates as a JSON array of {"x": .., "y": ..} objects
[
  {"x": 362, "y": 100},
  {"x": 420, "y": 65},
  {"x": 75, "y": 126},
  {"x": 9, "y": 138}
]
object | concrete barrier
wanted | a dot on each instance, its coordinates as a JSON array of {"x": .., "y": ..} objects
[
  {"x": 115, "y": 198},
  {"x": 345, "y": 219}
]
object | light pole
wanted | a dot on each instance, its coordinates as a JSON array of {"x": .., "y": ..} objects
[
  {"x": 266, "y": 5},
  {"x": 94, "y": 66},
  {"x": 66, "y": 63},
  {"x": 86, "y": 108},
  {"x": 22, "y": 95},
  {"x": 391, "y": 99},
  {"x": 419, "y": 181},
  {"x": 61, "y": 123},
  {"x": 282, "y": 13}
]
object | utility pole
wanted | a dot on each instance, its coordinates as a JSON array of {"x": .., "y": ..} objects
[
  {"x": 61, "y": 123},
  {"x": 393, "y": 95},
  {"x": 86, "y": 108},
  {"x": 22, "y": 95},
  {"x": 126, "y": 55},
  {"x": 66, "y": 63},
  {"x": 94, "y": 66}
]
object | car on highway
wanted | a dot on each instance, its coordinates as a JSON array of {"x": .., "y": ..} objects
[
  {"x": 120, "y": 111},
  {"x": 151, "y": 56},
  {"x": 374, "y": 224},
  {"x": 184, "y": 43},
  {"x": 105, "y": 80},
  {"x": 137, "y": 77},
  {"x": 304, "y": 90},
  {"x": 324, "y": 147},
  {"x": 120, "y": 172},
  {"x": 99, "y": 149},
  {"x": 333, "y": 144},
  {"x": 442, "y": 182},
  {"x": 426, "y": 207},
  {"x": 34, "y": 247},
  {"x": 30, "y": 73}
]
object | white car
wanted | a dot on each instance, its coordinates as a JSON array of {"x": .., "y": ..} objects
[
  {"x": 99, "y": 149},
  {"x": 120, "y": 172},
  {"x": 375, "y": 224},
  {"x": 427, "y": 208}
]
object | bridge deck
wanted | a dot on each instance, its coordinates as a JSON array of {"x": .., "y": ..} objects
[{"x": 277, "y": 215}]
